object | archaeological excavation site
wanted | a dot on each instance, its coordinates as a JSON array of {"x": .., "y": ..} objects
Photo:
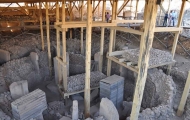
[{"x": 94, "y": 59}]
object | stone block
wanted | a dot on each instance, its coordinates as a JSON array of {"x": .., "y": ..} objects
[
  {"x": 30, "y": 106},
  {"x": 108, "y": 110},
  {"x": 18, "y": 89},
  {"x": 65, "y": 118},
  {"x": 4, "y": 56},
  {"x": 34, "y": 57},
  {"x": 75, "y": 112}
]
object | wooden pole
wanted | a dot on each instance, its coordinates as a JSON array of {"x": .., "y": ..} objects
[
  {"x": 184, "y": 97},
  {"x": 143, "y": 62},
  {"x": 48, "y": 38},
  {"x": 70, "y": 17},
  {"x": 58, "y": 44},
  {"x": 137, "y": 3},
  {"x": 64, "y": 48},
  {"x": 177, "y": 33},
  {"x": 111, "y": 43},
  {"x": 81, "y": 34},
  {"x": 88, "y": 58},
  {"x": 41, "y": 26},
  {"x": 93, "y": 8},
  {"x": 57, "y": 31},
  {"x": 102, "y": 37}
]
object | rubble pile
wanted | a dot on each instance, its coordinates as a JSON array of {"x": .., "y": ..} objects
[
  {"x": 77, "y": 82},
  {"x": 156, "y": 56}
]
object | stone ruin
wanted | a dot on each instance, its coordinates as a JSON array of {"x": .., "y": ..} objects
[{"x": 158, "y": 96}]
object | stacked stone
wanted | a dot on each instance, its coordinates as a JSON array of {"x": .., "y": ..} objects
[
  {"x": 77, "y": 82},
  {"x": 29, "y": 106},
  {"x": 156, "y": 56},
  {"x": 112, "y": 88}
]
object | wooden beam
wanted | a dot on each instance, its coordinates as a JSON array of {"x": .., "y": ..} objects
[
  {"x": 102, "y": 37},
  {"x": 64, "y": 49},
  {"x": 184, "y": 97},
  {"x": 41, "y": 25},
  {"x": 122, "y": 6},
  {"x": 70, "y": 17},
  {"x": 137, "y": 3},
  {"x": 127, "y": 21},
  {"x": 143, "y": 62},
  {"x": 129, "y": 30},
  {"x": 88, "y": 59},
  {"x": 48, "y": 39},
  {"x": 96, "y": 6},
  {"x": 177, "y": 34},
  {"x": 81, "y": 34},
  {"x": 168, "y": 29}
]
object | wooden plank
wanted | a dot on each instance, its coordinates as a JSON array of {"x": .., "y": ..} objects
[
  {"x": 127, "y": 21},
  {"x": 41, "y": 26},
  {"x": 177, "y": 33},
  {"x": 64, "y": 48},
  {"x": 184, "y": 96},
  {"x": 128, "y": 30},
  {"x": 88, "y": 59},
  {"x": 112, "y": 58},
  {"x": 48, "y": 39},
  {"x": 143, "y": 62},
  {"x": 102, "y": 37},
  {"x": 122, "y": 6},
  {"x": 168, "y": 29}
]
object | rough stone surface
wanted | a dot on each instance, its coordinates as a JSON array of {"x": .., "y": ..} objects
[
  {"x": 4, "y": 56},
  {"x": 187, "y": 109},
  {"x": 77, "y": 82},
  {"x": 156, "y": 56},
  {"x": 18, "y": 89},
  {"x": 3, "y": 116},
  {"x": 158, "y": 96},
  {"x": 108, "y": 110},
  {"x": 34, "y": 58}
]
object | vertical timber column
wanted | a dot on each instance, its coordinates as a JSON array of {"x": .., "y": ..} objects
[
  {"x": 93, "y": 9},
  {"x": 48, "y": 37},
  {"x": 145, "y": 46},
  {"x": 64, "y": 48},
  {"x": 57, "y": 31},
  {"x": 81, "y": 34},
  {"x": 58, "y": 44},
  {"x": 88, "y": 58},
  {"x": 70, "y": 17},
  {"x": 177, "y": 33},
  {"x": 102, "y": 37},
  {"x": 111, "y": 39},
  {"x": 41, "y": 25},
  {"x": 114, "y": 18},
  {"x": 137, "y": 3}
]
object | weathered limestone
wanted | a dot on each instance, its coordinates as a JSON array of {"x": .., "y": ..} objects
[
  {"x": 4, "y": 56},
  {"x": 18, "y": 89},
  {"x": 75, "y": 110},
  {"x": 34, "y": 58},
  {"x": 157, "y": 56},
  {"x": 108, "y": 110},
  {"x": 29, "y": 106}
]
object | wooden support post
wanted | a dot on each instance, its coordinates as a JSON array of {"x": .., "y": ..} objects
[
  {"x": 137, "y": 3},
  {"x": 64, "y": 48},
  {"x": 143, "y": 62},
  {"x": 184, "y": 97},
  {"x": 102, "y": 37},
  {"x": 177, "y": 33},
  {"x": 111, "y": 43},
  {"x": 41, "y": 26},
  {"x": 145, "y": 12},
  {"x": 58, "y": 45},
  {"x": 57, "y": 31},
  {"x": 88, "y": 58},
  {"x": 48, "y": 38},
  {"x": 81, "y": 34},
  {"x": 71, "y": 17},
  {"x": 93, "y": 8}
]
